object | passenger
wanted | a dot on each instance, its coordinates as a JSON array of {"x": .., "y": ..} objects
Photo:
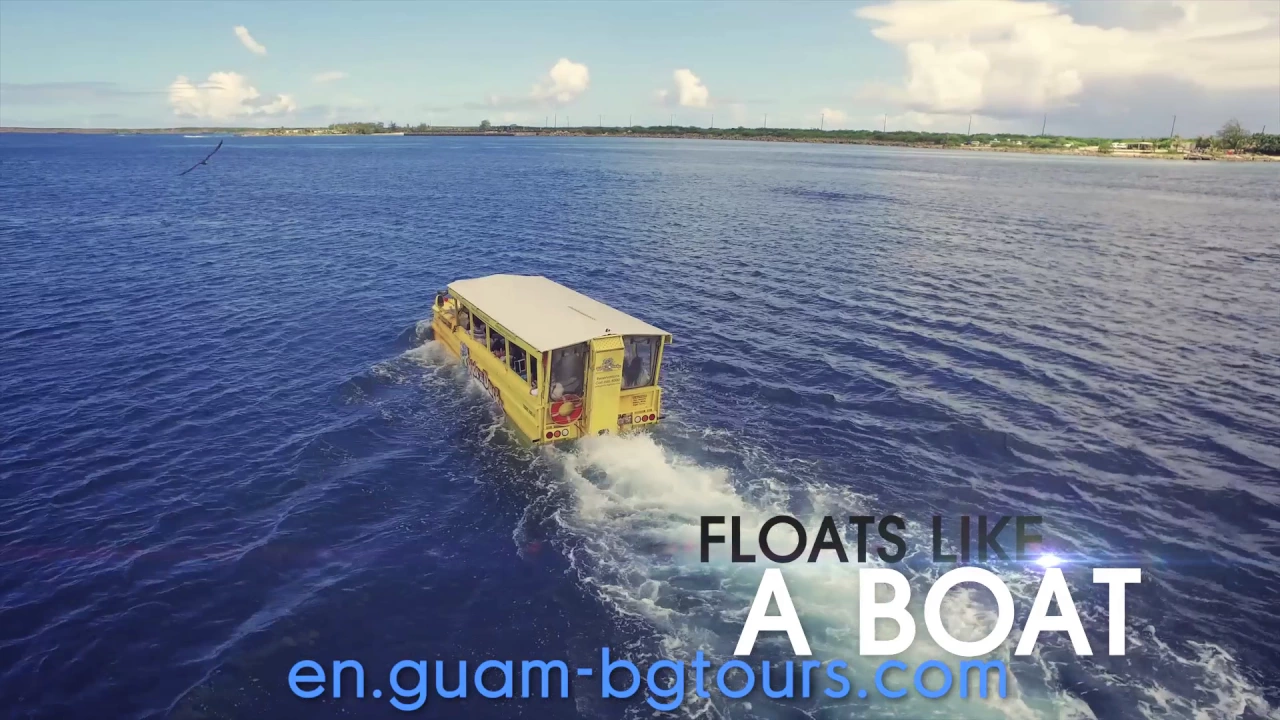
[
  {"x": 566, "y": 370},
  {"x": 632, "y": 369}
]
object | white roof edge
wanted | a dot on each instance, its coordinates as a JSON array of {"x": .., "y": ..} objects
[{"x": 546, "y": 314}]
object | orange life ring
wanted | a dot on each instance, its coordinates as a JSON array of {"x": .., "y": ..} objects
[{"x": 566, "y": 410}]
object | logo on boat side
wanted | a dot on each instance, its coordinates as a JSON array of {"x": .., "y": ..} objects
[
  {"x": 482, "y": 377},
  {"x": 608, "y": 365}
]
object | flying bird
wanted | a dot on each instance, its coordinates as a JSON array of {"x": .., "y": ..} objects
[{"x": 205, "y": 161}]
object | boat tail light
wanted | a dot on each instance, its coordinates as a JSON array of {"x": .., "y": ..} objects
[{"x": 550, "y": 435}]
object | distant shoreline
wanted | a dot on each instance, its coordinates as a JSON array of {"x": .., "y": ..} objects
[
  {"x": 540, "y": 132},
  {"x": 1078, "y": 152}
]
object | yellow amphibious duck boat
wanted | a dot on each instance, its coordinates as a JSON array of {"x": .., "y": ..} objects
[{"x": 560, "y": 365}]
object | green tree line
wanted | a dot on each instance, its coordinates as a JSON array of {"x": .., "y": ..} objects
[
  {"x": 375, "y": 128},
  {"x": 1232, "y": 136}
]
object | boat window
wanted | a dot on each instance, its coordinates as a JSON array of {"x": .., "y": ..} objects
[
  {"x": 519, "y": 362},
  {"x": 497, "y": 345},
  {"x": 639, "y": 356},
  {"x": 568, "y": 368},
  {"x": 478, "y": 330},
  {"x": 533, "y": 372},
  {"x": 464, "y": 318}
]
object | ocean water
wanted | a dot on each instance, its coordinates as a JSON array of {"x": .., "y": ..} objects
[{"x": 228, "y": 444}]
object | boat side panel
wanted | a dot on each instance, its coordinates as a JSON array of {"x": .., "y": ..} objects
[{"x": 500, "y": 382}]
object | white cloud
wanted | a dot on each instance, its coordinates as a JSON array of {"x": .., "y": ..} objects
[
  {"x": 247, "y": 40},
  {"x": 564, "y": 82},
  {"x": 1010, "y": 56},
  {"x": 690, "y": 89},
  {"x": 690, "y": 92},
  {"x": 833, "y": 119},
  {"x": 330, "y": 76},
  {"x": 224, "y": 96}
]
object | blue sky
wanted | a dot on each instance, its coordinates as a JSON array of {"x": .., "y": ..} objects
[{"x": 1095, "y": 68}]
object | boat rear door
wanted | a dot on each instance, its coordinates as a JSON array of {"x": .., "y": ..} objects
[{"x": 604, "y": 381}]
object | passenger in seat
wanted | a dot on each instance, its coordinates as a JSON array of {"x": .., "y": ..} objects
[{"x": 632, "y": 369}]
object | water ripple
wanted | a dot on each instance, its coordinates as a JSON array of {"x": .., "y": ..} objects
[{"x": 224, "y": 445}]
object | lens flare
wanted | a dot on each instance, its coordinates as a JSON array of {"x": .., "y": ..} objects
[{"x": 1048, "y": 560}]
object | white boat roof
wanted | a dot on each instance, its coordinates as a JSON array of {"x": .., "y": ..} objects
[{"x": 544, "y": 313}]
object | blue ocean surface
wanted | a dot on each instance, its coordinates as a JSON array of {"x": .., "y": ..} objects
[{"x": 227, "y": 443}]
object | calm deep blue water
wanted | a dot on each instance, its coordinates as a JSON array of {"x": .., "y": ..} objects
[{"x": 226, "y": 444}]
